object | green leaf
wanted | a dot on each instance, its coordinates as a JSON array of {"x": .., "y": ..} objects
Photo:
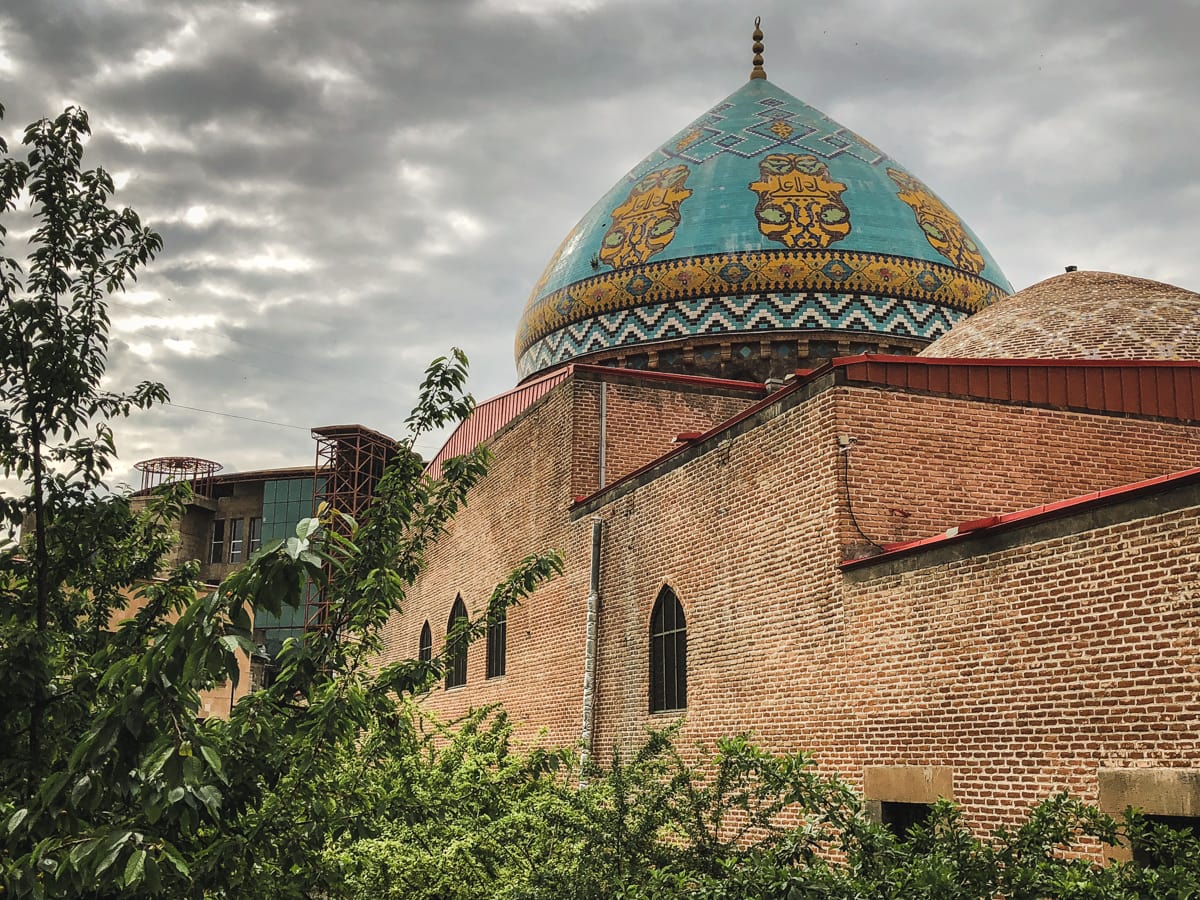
[
  {"x": 80, "y": 789},
  {"x": 135, "y": 868},
  {"x": 155, "y": 763},
  {"x": 110, "y": 849},
  {"x": 213, "y": 760},
  {"x": 175, "y": 859},
  {"x": 15, "y": 820},
  {"x": 306, "y": 528}
]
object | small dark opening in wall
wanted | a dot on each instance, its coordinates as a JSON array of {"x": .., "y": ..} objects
[
  {"x": 900, "y": 818},
  {"x": 1145, "y": 855},
  {"x": 822, "y": 349}
]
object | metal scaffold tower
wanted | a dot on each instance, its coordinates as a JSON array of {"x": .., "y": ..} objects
[
  {"x": 350, "y": 462},
  {"x": 169, "y": 469}
]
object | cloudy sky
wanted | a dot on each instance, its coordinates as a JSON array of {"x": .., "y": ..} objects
[{"x": 346, "y": 189}]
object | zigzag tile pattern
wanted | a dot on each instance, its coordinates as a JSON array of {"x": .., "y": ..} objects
[
  {"x": 775, "y": 271},
  {"x": 746, "y": 315}
]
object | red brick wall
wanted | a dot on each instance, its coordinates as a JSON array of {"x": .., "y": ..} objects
[
  {"x": 542, "y": 461},
  {"x": 1023, "y": 670},
  {"x": 642, "y": 420},
  {"x": 921, "y": 464},
  {"x": 520, "y": 508}
]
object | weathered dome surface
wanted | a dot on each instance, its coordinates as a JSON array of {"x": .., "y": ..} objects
[
  {"x": 1082, "y": 315},
  {"x": 763, "y": 215}
]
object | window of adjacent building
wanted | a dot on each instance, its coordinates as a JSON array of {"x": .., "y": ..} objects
[
  {"x": 425, "y": 644},
  {"x": 901, "y": 818},
  {"x": 254, "y": 535},
  {"x": 456, "y": 647},
  {"x": 496, "y": 639},
  {"x": 237, "y": 543},
  {"x": 216, "y": 553},
  {"x": 668, "y": 653}
]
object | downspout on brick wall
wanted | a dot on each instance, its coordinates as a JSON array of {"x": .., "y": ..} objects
[
  {"x": 603, "y": 433},
  {"x": 589, "y": 654}
]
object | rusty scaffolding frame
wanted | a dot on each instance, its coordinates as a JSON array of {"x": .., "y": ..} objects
[
  {"x": 169, "y": 469},
  {"x": 350, "y": 462}
]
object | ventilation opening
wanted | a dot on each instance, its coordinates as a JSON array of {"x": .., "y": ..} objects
[
  {"x": 901, "y": 818},
  {"x": 1147, "y": 855}
]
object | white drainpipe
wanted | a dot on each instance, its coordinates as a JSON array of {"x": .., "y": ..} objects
[
  {"x": 589, "y": 654},
  {"x": 603, "y": 433}
]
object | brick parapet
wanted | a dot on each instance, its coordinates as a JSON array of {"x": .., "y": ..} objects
[
  {"x": 921, "y": 463},
  {"x": 1021, "y": 669}
]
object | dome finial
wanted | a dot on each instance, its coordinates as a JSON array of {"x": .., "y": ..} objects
[{"x": 758, "y": 71}]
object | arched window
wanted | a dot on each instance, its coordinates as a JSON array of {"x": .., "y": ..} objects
[
  {"x": 496, "y": 640},
  {"x": 456, "y": 648},
  {"x": 425, "y": 646},
  {"x": 668, "y": 653}
]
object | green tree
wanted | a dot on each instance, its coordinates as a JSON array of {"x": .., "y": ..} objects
[
  {"x": 55, "y": 437},
  {"x": 109, "y": 784}
]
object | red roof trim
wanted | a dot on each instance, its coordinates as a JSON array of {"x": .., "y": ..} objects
[
  {"x": 651, "y": 375},
  {"x": 1016, "y": 363},
  {"x": 1027, "y": 516},
  {"x": 789, "y": 388},
  {"x": 490, "y": 416}
]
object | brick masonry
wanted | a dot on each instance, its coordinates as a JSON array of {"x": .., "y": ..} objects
[{"x": 1019, "y": 671}]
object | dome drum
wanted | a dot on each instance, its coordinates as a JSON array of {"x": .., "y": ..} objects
[{"x": 742, "y": 356}]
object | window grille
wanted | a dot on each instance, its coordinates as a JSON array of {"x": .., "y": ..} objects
[
  {"x": 425, "y": 645},
  {"x": 497, "y": 636},
  {"x": 456, "y": 647},
  {"x": 668, "y": 654}
]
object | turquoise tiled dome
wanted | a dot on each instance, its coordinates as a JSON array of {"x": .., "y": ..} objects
[{"x": 762, "y": 216}]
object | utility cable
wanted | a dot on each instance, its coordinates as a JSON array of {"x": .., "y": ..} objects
[
  {"x": 845, "y": 451},
  {"x": 213, "y": 412}
]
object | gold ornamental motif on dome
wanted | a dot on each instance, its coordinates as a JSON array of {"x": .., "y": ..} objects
[
  {"x": 549, "y": 270},
  {"x": 799, "y": 204},
  {"x": 760, "y": 271},
  {"x": 943, "y": 229},
  {"x": 645, "y": 223}
]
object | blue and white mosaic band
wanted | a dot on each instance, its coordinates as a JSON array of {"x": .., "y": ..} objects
[{"x": 743, "y": 316}]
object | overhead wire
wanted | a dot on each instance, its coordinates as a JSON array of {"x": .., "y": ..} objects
[{"x": 420, "y": 445}]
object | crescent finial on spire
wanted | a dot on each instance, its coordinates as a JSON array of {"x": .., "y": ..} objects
[{"x": 758, "y": 71}]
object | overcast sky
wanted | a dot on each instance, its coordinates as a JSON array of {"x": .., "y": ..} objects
[{"x": 346, "y": 189}]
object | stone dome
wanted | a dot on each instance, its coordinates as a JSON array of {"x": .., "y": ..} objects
[
  {"x": 763, "y": 232},
  {"x": 1082, "y": 315}
]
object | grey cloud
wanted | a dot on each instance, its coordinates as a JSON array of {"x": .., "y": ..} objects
[{"x": 1061, "y": 132}]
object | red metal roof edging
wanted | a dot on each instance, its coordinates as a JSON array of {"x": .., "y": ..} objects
[
  {"x": 1004, "y": 521},
  {"x": 788, "y": 388},
  {"x": 489, "y": 417},
  {"x": 1167, "y": 389},
  {"x": 652, "y": 375}
]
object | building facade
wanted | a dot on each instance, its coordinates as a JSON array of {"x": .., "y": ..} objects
[{"x": 840, "y": 490}]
